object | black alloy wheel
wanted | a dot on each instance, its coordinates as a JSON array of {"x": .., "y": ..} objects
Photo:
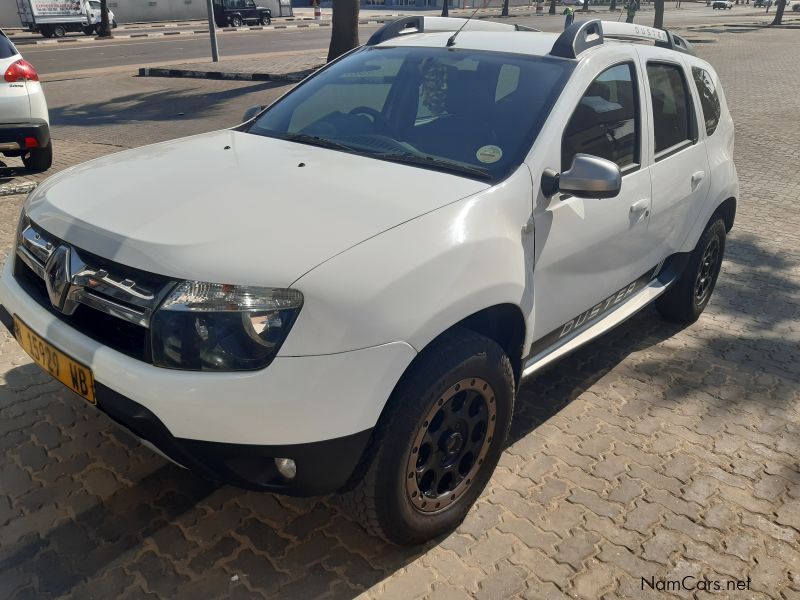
[
  {"x": 709, "y": 267},
  {"x": 451, "y": 445}
]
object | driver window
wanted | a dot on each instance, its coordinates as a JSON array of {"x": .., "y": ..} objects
[
  {"x": 606, "y": 120},
  {"x": 368, "y": 88}
]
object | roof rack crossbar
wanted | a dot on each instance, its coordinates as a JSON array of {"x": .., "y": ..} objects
[
  {"x": 583, "y": 35},
  {"x": 417, "y": 24}
]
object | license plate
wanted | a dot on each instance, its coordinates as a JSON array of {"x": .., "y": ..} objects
[{"x": 69, "y": 372}]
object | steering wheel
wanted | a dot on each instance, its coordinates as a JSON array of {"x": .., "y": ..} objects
[{"x": 377, "y": 117}]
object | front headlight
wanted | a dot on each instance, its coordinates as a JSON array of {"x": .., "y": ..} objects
[{"x": 219, "y": 327}]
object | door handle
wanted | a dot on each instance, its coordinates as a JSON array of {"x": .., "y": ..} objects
[
  {"x": 641, "y": 205},
  {"x": 698, "y": 176}
]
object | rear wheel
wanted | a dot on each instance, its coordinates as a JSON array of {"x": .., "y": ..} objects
[
  {"x": 688, "y": 297},
  {"x": 236, "y": 21},
  {"x": 59, "y": 31},
  {"x": 88, "y": 30},
  {"x": 438, "y": 442},
  {"x": 39, "y": 159}
]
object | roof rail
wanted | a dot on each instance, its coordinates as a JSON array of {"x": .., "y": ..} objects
[
  {"x": 397, "y": 28},
  {"x": 583, "y": 35},
  {"x": 419, "y": 24}
]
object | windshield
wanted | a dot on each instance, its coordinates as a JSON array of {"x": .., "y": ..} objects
[{"x": 473, "y": 113}]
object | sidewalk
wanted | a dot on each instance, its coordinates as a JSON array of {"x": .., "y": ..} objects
[{"x": 268, "y": 67}]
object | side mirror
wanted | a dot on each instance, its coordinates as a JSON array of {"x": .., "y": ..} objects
[
  {"x": 251, "y": 112},
  {"x": 588, "y": 177}
]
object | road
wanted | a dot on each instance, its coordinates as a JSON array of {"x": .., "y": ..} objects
[{"x": 115, "y": 54}]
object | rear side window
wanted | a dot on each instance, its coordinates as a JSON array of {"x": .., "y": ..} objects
[
  {"x": 606, "y": 120},
  {"x": 7, "y": 49},
  {"x": 709, "y": 100},
  {"x": 672, "y": 114}
]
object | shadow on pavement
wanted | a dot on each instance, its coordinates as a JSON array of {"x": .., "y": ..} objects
[{"x": 153, "y": 106}]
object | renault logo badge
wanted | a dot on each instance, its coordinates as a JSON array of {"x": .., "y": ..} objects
[{"x": 58, "y": 279}]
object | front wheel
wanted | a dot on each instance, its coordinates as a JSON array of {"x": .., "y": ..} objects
[
  {"x": 266, "y": 20},
  {"x": 437, "y": 444},
  {"x": 39, "y": 159},
  {"x": 689, "y": 295}
]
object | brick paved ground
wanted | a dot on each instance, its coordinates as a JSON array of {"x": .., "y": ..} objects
[{"x": 654, "y": 452}]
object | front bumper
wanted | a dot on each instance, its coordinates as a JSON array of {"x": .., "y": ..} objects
[
  {"x": 16, "y": 134},
  {"x": 316, "y": 410}
]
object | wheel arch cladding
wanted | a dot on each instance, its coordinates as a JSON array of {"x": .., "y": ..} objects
[{"x": 727, "y": 210}]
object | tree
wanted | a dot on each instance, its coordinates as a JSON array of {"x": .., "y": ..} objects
[
  {"x": 105, "y": 26},
  {"x": 344, "y": 28},
  {"x": 658, "y": 21},
  {"x": 445, "y": 8},
  {"x": 779, "y": 13},
  {"x": 585, "y": 6},
  {"x": 552, "y": 10},
  {"x": 504, "y": 12}
]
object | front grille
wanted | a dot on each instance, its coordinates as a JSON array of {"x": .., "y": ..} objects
[{"x": 106, "y": 301}]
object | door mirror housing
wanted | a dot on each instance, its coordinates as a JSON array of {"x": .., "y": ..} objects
[
  {"x": 588, "y": 177},
  {"x": 251, "y": 112}
]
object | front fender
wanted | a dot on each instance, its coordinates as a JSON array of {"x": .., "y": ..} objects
[{"x": 414, "y": 281}]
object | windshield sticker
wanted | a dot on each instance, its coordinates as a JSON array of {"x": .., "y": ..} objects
[{"x": 489, "y": 154}]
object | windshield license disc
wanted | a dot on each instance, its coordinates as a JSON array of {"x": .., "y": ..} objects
[{"x": 489, "y": 154}]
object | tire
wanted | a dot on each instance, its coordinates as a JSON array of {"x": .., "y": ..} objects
[
  {"x": 266, "y": 20},
  {"x": 46, "y": 32},
  {"x": 89, "y": 30},
  {"x": 40, "y": 159},
  {"x": 689, "y": 295},
  {"x": 59, "y": 31},
  {"x": 237, "y": 21},
  {"x": 396, "y": 499}
]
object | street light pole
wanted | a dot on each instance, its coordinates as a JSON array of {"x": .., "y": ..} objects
[{"x": 212, "y": 31}]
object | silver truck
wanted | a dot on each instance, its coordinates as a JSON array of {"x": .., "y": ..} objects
[{"x": 55, "y": 18}]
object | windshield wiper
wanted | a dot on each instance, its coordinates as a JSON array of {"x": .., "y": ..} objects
[
  {"x": 430, "y": 161},
  {"x": 315, "y": 140}
]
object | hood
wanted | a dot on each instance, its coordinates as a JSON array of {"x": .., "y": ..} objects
[{"x": 231, "y": 207}]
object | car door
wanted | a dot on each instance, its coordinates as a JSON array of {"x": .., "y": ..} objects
[
  {"x": 680, "y": 169},
  {"x": 592, "y": 254},
  {"x": 249, "y": 13}
]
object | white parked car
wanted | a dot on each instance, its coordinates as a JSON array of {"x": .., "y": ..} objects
[
  {"x": 447, "y": 213},
  {"x": 722, "y": 4},
  {"x": 24, "y": 120}
]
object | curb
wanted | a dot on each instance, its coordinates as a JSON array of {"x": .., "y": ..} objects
[
  {"x": 293, "y": 76},
  {"x": 13, "y": 190}
]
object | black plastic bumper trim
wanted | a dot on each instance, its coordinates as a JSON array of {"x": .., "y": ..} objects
[
  {"x": 322, "y": 467},
  {"x": 17, "y": 132}
]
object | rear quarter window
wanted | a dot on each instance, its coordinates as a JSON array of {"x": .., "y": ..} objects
[
  {"x": 709, "y": 99},
  {"x": 7, "y": 49}
]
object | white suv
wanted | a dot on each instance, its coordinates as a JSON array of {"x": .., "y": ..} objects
[
  {"x": 24, "y": 120},
  {"x": 395, "y": 244}
]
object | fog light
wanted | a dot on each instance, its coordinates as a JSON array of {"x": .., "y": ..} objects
[{"x": 286, "y": 467}]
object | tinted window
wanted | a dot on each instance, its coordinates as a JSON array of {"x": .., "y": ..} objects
[
  {"x": 709, "y": 100},
  {"x": 671, "y": 106},
  {"x": 7, "y": 49},
  {"x": 606, "y": 121},
  {"x": 471, "y": 112}
]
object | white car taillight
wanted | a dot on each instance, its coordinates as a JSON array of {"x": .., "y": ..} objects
[{"x": 21, "y": 70}]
